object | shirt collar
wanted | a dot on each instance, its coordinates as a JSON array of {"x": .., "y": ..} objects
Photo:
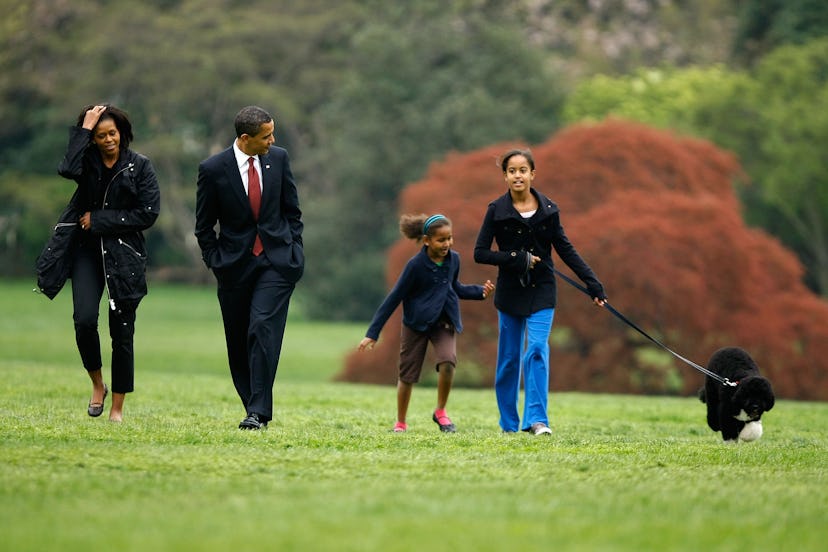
[
  {"x": 241, "y": 157},
  {"x": 505, "y": 210}
]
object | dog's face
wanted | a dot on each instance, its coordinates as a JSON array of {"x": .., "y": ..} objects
[{"x": 753, "y": 397}]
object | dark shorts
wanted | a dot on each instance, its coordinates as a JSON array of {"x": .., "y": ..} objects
[{"x": 413, "y": 349}]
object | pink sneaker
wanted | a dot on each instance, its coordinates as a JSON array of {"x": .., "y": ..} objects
[
  {"x": 400, "y": 427},
  {"x": 442, "y": 420}
]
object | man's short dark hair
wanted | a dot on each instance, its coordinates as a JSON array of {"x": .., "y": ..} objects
[{"x": 250, "y": 120}]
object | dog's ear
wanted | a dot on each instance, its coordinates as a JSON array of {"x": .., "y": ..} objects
[
  {"x": 738, "y": 398},
  {"x": 758, "y": 387}
]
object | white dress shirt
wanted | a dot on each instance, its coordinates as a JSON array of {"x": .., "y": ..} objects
[{"x": 243, "y": 163}]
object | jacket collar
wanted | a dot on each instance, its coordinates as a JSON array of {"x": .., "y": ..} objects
[
  {"x": 505, "y": 210},
  {"x": 426, "y": 260},
  {"x": 124, "y": 158}
]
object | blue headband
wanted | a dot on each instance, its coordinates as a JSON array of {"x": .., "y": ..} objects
[{"x": 429, "y": 221}]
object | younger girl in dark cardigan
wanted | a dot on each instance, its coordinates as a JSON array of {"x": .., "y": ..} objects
[{"x": 429, "y": 290}]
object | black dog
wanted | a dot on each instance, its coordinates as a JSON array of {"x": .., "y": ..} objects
[{"x": 729, "y": 408}]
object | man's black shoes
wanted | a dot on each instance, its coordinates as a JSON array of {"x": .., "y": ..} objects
[{"x": 253, "y": 421}]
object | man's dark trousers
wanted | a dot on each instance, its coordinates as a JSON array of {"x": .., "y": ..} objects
[{"x": 254, "y": 303}]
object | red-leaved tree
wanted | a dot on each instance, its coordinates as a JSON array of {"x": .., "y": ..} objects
[{"x": 656, "y": 217}]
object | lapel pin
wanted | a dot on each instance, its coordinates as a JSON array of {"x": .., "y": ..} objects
[{"x": 267, "y": 166}]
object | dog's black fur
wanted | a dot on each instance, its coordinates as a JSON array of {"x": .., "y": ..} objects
[{"x": 729, "y": 408}]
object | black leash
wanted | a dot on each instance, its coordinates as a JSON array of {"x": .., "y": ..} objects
[{"x": 627, "y": 321}]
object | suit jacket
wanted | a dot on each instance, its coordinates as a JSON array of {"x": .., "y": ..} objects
[{"x": 221, "y": 199}]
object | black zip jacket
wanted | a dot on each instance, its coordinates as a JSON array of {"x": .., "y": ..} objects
[
  {"x": 54, "y": 264},
  {"x": 131, "y": 203},
  {"x": 520, "y": 291}
]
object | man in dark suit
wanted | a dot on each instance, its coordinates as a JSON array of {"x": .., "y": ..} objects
[{"x": 257, "y": 256}]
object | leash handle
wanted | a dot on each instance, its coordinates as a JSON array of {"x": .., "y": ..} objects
[{"x": 630, "y": 323}]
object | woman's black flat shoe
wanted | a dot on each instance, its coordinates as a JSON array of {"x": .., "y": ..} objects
[{"x": 96, "y": 409}]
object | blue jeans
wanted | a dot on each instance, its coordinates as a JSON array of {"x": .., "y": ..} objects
[{"x": 515, "y": 332}]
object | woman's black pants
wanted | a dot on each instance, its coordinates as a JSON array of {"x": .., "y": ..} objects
[{"x": 88, "y": 283}]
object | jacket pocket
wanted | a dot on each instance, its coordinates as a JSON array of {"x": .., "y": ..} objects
[
  {"x": 126, "y": 270},
  {"x": 132, "y": 250}
]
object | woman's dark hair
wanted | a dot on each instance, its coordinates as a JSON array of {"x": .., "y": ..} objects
[
  {"x": 250, "y": 120},
  {"x": 119, "y": 117},
  {"x": 504, "y": 161}
]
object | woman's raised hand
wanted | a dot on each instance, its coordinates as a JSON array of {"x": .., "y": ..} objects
[{"x": 93, "y": 115}]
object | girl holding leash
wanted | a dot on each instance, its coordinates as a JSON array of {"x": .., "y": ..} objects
[
  {"x": 429, "y": 290},
  {"x": 526, "y": 226}
]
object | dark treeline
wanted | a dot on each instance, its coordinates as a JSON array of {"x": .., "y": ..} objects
[{"x": 367, "y": 94}]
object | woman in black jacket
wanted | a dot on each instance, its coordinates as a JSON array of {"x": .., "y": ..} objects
[
  {"x": 526, "y": 226},
  {"x": 117, "y": 197}
]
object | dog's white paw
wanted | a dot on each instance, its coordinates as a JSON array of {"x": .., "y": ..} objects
[{"x": 751, "y": 431}]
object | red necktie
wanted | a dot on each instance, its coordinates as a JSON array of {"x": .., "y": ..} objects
[{"x": 254, "y": 192}]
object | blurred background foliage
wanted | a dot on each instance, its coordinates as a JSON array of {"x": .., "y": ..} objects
[{"x": 368, "y": 94}]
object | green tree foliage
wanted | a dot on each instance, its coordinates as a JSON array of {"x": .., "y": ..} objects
[
  {"x": 790, "y": 103},
  {"x": 656, "y": 216},
  {"x": 767, "y": 24},
  {"x": 664, "y": 97},
  {"x": 427, "y": 78}
]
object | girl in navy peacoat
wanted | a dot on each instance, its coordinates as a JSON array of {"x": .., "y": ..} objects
[{"x": 430, "y": 290}]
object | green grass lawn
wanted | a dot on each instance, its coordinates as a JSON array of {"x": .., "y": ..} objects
[{"x": 619, "y": 472}]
